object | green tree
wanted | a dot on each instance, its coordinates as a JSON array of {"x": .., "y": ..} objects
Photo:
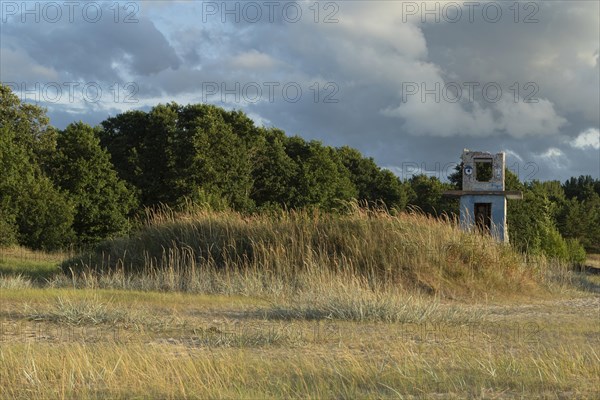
[
  {"x": 210, "y": 156},
  {"x": 273, "y": 170},
  {"x": 581, "y": 187},
  {"x": 581, "y": 221},
  {"x": 321, "y": 179},
  {"x": 373, "y": 183},
  {"x": 531, "y": 222},
  {"x": 157, "y": 157},
  {"x": 32, "y": 211},
  {"x": 123, "y": 137},
  {"x": 426, "y": 193},
  {"x": 44, "y": 216},
  {"x": 83, "y": 169},
  {"x": 178, "y": 152},
  {"x": 456, "y": 177},
  {"x": 241, "y": 125},
  {"x": 140, "y": 147},
  {"x": 28, "y": 123},
  {"x": 14, "y": 166}
]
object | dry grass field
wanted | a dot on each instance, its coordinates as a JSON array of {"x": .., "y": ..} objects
[{"x": 322, "y": 308}]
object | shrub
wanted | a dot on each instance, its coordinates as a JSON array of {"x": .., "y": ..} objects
[{"x": 576, "y": 251}]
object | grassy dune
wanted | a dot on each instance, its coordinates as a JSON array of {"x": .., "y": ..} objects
[
  {"x": 296, "y": 305},
  {"x": 298, "y": 250}
]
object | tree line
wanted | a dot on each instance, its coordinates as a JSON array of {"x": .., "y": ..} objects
[{"x": 83, "y": 184}]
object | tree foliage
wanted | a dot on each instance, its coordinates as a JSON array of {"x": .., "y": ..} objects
[
  {"x": 82, "y": 169},
  {"x": 204, "y": 153},
  {"x": 426, "y": 193},
  {"x": 373, "y": 184},
  {"x": 33, "y": 212}
]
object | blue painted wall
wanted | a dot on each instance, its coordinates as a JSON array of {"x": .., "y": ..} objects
[{"x": 467, "y": 211}]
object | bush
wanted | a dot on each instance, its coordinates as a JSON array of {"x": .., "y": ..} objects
[
  {"x": 576, "y": 251},
  {"x": 553, "y": 245},
  {"x": 45, "y": 217}
]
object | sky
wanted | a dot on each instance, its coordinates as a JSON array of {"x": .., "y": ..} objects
[{"x": 409, "y": 83}]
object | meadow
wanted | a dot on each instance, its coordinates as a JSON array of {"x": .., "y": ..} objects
[{"x": 296, "y": 305}]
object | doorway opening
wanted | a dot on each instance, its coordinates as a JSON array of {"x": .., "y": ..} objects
[{"x": 483, "y": 217}]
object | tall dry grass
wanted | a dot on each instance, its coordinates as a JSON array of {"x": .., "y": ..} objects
[
  {"x": 405, "y": 371},
  {"x": 278, "y": 253}
]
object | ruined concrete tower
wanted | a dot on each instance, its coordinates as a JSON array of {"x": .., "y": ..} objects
[{"x": 483, "y": 198}]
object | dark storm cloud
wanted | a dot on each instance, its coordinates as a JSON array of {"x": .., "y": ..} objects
[{"x": 81, "y": 50}]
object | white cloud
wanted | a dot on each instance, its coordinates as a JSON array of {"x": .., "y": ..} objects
[
  {"x": 521, "y": 119},
  {"x": 514, "y": 154},
  {"x": 444, "y": 119},
  {"x": 552, "y": 152},
  {"x": 253, "y": 59},
  {"x": 17, "y": 65},
  {"x": 589, "y": 138},
  {"x": 554, "y": 158}
]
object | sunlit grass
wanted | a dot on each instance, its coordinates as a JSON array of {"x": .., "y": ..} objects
[
  {"x": 593, "y": 260},
  {"x": 29, "y": 268},
  {"x": 404, "y": 369},
  {"x": 297, "y": 305}
]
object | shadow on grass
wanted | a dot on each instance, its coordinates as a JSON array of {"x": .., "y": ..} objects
[{"x": 587, "y": 281}]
